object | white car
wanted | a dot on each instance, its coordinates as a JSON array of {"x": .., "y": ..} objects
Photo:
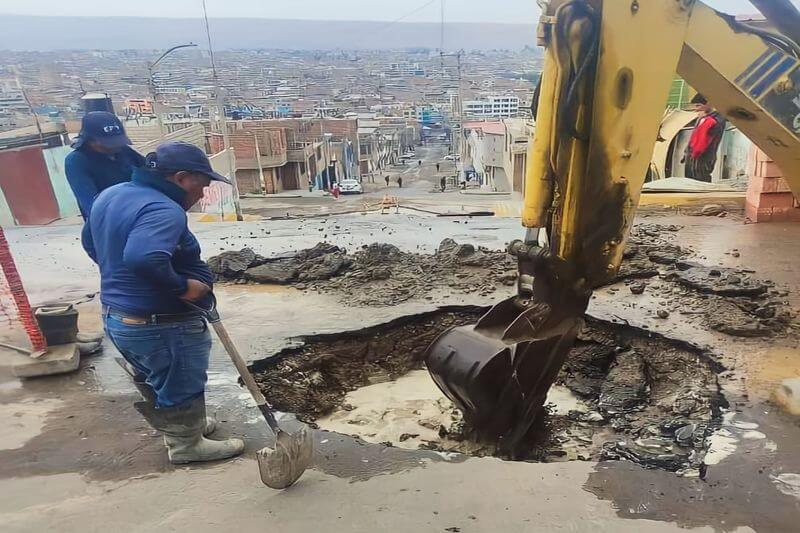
[
  {"x": 350, "y": 187},
  {"x": 452, "y": 157}
]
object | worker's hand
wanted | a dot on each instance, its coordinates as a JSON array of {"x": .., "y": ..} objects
[
  {"x": 683, "y": 159},
  {"x": 195, "y": 290}
]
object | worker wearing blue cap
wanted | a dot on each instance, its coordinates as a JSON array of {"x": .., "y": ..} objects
[
  {"x": 102, "y": 157},
  {"x": 150, "y": 266}
]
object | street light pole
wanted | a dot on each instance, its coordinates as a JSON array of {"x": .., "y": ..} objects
[{"x": 150, "y": 71}]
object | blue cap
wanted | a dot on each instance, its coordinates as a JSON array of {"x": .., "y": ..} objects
[
  {"x": 176, "y": 156},
  {"x": 104, "y": 128}
]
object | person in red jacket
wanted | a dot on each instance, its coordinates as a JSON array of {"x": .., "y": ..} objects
[{"x": 701, "y": 154}]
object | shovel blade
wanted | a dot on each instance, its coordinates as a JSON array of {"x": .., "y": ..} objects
[{"x": 281, "y": 466}]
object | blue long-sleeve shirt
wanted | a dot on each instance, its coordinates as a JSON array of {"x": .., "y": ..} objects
[
  {"x": 139, "y": 236},
  {"x": 89, "y": 173}
]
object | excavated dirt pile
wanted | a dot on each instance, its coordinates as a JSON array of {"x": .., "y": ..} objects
[
  {"x": 639, "y": 396},
  {"x": 728, "y": 300},
  {"x": 377, "y": 275}
]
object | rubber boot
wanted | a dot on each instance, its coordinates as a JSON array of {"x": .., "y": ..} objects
[
  {"x": 183, "y": 427},
  {"x": 148, "y": 403},
  {"x": 95, "y": 336}
]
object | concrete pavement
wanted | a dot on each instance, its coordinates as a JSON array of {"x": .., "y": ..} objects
[{"x": 76, "y": 456}]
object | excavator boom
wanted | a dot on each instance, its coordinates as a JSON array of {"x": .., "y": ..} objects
[{"x": 607, "y": 73}]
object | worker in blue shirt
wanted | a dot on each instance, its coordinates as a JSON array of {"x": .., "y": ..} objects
[
  {"x": 150, "y": 266},
  {"x": 101, "y": 158}
]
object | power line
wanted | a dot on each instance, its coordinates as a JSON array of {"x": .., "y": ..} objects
[
  {"x": 398, "y": 19},
  {"x": 208, "y": 36}
]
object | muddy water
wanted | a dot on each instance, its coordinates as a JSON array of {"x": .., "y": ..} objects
[
  {"x": 405, "y": 412},
  {"x": 408, "y": 412},
  {"x": 623, "y": 393},
  {"x": 751, "y": 483},
  {"x": 770, "y": 367}
]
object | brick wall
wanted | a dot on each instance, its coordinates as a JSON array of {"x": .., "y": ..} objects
[
  {"x": 271, "y": 142},
  {"x": 248, "y": 181},
  {"x": 769, "y": 198},
  {"x": 301, "y": 129}
]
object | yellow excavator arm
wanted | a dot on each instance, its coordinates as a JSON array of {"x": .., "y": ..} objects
[
  {"x": 608, "y": 68},
  {"x": 596, "y": 129}
]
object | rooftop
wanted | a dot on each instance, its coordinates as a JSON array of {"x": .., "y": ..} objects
[{"x": 492, "y": 128}]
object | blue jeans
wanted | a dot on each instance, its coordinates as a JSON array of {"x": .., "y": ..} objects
[{"x": 172, "y": 357}]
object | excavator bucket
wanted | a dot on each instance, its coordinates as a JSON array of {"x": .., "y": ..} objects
[{"x": 498, "y": 371}]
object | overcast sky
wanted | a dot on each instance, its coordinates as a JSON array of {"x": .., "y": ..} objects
[{"x": 408, "y": 10}]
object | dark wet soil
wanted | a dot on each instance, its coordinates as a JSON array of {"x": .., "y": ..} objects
[
  {"x": 728, "y": 300},
  {"x": 651, "y": 400},
  {"x": 379, "y": 274},
  {"x": 313, "y": 379}
]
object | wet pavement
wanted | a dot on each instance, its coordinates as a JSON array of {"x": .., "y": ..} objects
[{"x": 78, "y": 455}]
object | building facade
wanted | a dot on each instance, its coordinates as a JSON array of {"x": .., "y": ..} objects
[
  {"x": 496, "y": 151},
  {"x": 506, "y": 106}
]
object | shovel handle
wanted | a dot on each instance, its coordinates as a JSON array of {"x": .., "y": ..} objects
[{"x": 216, "y": 322}]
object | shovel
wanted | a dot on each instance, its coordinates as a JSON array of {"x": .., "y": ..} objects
[{"x": 282, "y": 466}]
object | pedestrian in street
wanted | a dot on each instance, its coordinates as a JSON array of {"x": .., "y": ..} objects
[
  {"x": 419, "y": 163},
  {"x": 310, "y": 185},
  {"x": 400, "y": 181},
  {"x": 149, "y": 266},
  {"x": 101, "y": 157},
  {"x": 437, "y": 167},
  {"x": 386, "y": 177},
  {"x": 701, "y": 153},
  {"x": 443, "y": 182}
]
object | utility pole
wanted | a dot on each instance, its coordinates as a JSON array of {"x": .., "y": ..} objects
[
  {"x": 441, "y": 41},
  {"x": 458, "y": 111},
  {"x": 226, "y": 141},
  {"x": 33, "y": 113},
  {"x": 260, "y": 170},
  {"x": 152, "y": 86},
  {"x": 460, "y": 108}
]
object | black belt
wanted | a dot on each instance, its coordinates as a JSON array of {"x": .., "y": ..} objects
[{"x": 154, "y": 319}]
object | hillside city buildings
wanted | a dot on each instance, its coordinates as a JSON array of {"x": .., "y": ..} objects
[{"x": 295, "y": 119}]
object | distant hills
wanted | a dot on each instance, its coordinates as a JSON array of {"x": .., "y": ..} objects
[{"x": 21, "y": 32}]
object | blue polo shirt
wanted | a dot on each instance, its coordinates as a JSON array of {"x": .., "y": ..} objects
[
  {"x": 139, "y": 236},
  {"x": 89, "y": 173}
]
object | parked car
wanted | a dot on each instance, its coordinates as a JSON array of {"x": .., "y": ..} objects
[
  {"x": 350, "y": 187},
  {"x": 452, "y": 157}
]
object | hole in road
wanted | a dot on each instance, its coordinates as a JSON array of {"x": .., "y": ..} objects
[{"x": 622, "y": 393}]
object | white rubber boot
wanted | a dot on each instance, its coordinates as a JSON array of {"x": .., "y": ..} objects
[
  {"x": 211, "y": 426},
  {"x": 183, "y": 429}
]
